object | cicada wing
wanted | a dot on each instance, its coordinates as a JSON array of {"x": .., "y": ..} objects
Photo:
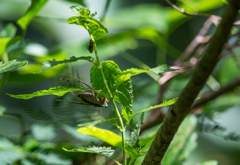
[
  {"x": 73, "y": 82},
  {"x": 73, "y": 102}
]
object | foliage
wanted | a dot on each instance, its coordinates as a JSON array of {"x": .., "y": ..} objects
[
  {"x": 54, "y": 131},
  {"x": 106, "y": 151},
  {"x": 205, "y": 125},
  {"x": 10, "y": 65},
  {"x": 86, "y": 20}
]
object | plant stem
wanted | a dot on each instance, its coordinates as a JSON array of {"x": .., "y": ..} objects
[
  {"x": 112, "y": 99},
  {"x": 122, "y": 130}
]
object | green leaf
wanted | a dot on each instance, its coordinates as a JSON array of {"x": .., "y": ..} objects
[
  {"x": 10, "y": 65},
  {"x": 135, "y": 71},
  {"x": 134, "y": 142},
  {"x": 105, "y": 151},
  {"x": 50, "y": 64},
  {"x": 110, "y": 70},
  {"x": 6, "y": 42},
  {"x": 36, "y": 5},
  {"x": 43, "y": 132},
  {"x": 133, "y": 154},
  {"x": 103, "y": 134},
  {"x": 165, "y": 103},
  {"x": 125, "y": 95},
  {"x": 135, "y": 134},
  {"x": 161, "y": 69},
  {"x": 58, "y": 91},
  {"x": 209, "y": 162},
  {"x": 6, "y": 37},
  {"x": 8, "y": 31},
  {"x": 97, "y": 122},
  {"x": 2, "y": 110},
  {"x": 184, "y": 142},
  {"x": 86, "y": 20},
  {"x": 31, "y": 144},
  {"x": 123, "y": 91}
]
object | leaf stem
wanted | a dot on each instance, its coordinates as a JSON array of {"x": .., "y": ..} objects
[{"x": 113, "y": 102}]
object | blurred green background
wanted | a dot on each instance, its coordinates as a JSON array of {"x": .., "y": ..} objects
[{"x": 141, "y": 34}]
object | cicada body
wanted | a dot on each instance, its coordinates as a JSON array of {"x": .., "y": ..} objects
[{"x": 85, "y": 97}]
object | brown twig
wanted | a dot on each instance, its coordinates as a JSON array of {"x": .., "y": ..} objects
[
  {"x": 195, "y": 42},
  {"x": 184, "y": 12},
  {"x": 198, "y": 79},
  {"x": 211, "y": 96}
]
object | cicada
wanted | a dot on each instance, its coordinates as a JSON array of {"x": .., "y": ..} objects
[
  {"x": 84, "y": 97},
  {"x": 90, "y": 46}
]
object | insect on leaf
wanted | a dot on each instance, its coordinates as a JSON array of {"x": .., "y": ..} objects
[{"x": 86, "y": 96}]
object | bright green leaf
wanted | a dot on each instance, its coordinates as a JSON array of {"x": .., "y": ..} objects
[
  {"x": 97, "y": 122},
  {"x": 10, "y": 65},
  {"x": 50, "y": 64},
  {"x": 126, "y": 74},
  {"x": 106, "y": 151},
  {"x": 135, "y": 71},
  {"x": 165, "y": 103},
  {"x": 86, "y": 20},
  {"x": 2, "y": 110},
  {"x": 103, "y": 134},
  {"x": 58, "y": 91},
  {"x": 209, "y": 162},
  {"x": 30, "y": 144},
  {"x": 36, "y": 5},
  {"x": 4, "y": 43},
  {"x": 85, "y": 139},
  {"x": 184, "y": 142}
]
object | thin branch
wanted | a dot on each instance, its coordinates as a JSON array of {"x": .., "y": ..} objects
[
  {"x": 179, "y": 111},
  {"x": 211, "y": 96},
  {"x": 185, "y": 13},
  {"x": 195, "y": 42}
]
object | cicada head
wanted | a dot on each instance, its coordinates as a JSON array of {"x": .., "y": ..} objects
[{"x": 105, "y": 102}]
